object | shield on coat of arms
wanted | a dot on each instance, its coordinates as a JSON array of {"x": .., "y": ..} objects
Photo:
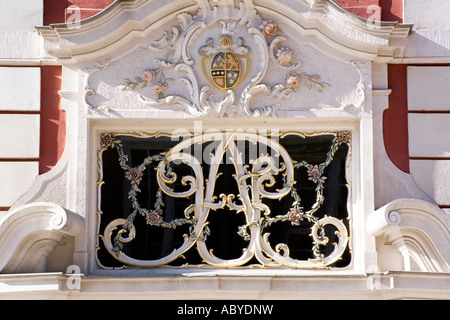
[
  {"x": 225, "y": 70},
  {"x": 225, "y": 65}
]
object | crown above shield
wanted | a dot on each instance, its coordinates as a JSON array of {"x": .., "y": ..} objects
[{"x": 225, "y": 41}]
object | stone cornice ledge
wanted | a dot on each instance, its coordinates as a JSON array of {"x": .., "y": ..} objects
[
  {"x": 381, "y": 41},
  {"x": 121, "y": 20},
  {"x": 125, "y": 20},
  {"x": 418, "y": 229},
  {"x": 31, "y": 232}
]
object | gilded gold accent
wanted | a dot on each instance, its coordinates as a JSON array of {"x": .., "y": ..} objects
[
  {"x": 226, "y": 65},
  {"x": 225, "y": 41},
  {"x": 253, "y": 181}
]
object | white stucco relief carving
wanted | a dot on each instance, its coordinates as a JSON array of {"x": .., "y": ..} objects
[
  {"x": 295, "y": 61},
  {"x": 88, "y": 91},
  {"x": 276, "y": 72}
]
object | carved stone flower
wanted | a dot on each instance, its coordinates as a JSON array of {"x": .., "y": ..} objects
[
  {"x": 285, "y": 56},
  {"x": 106, "y": 140},
  {"x": 158, "y": 89},
  {"x": 269, "y": 28},
  {"x": 149, "y": 75},
  {"x": 134, "y": 175},
  {"x": 314, "y": 173},
  {"x": 293, "y": 82},
  {"x": 295, "y": 216},
  {"x": 344, "y": 137},
  {"x": 154, "y": 218}
]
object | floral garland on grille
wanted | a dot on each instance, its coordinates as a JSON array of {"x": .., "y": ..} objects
[
  {"x": 296, "y": 214},
  {"x": 134, "y": 175}
]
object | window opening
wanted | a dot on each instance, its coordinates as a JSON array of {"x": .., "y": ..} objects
[{"x": 224, "y": 199}]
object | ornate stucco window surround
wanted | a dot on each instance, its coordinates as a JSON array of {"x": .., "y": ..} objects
[
  {"x": 142, "y": 69},
  {"x": 240, "y": 198}
]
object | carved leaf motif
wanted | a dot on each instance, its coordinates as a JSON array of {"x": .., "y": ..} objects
[{"x": 227, "y": 18}]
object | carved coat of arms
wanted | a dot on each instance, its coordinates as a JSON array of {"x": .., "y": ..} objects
[{"x": 225, "y": 65}]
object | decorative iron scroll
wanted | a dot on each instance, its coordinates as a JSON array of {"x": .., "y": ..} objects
[{"x": 262, "y": 195}]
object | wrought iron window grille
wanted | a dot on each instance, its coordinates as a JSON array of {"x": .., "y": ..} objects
[{"x": 242, "y": 199}]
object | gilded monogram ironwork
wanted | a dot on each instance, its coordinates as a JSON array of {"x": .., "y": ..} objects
[{"x": 261, "y": 194}]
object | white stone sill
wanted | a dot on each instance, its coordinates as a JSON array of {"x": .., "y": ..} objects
[
  {"x": 389, "y": 285},
  {"x": 213, "y": 272}
]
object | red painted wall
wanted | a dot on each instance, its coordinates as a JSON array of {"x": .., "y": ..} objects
[
  {"x": 390, "y": 10},
  {"x": 58, "y": 11},
  {"x": 53, "y": 119},
  {"x": 55, "y": 10},
  {"x": 98, "y": 4},
  {"x": 395, "y": 119}
]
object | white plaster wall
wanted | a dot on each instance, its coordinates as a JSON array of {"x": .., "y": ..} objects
[
  {"x": 21, "y": 134},
  {"x": 433, "y": 177},
  {"x": 21, "y": 15},
  {"x": 18, "y": 36},
  {"x": 431, "y": 36},
  {"x": 427, "y": 13},
  {"x": 429, "y": 133},
  {"x": 425, "y": 88},
  {"x": 20, "y": 89},
  {"x": 21, "y": 141},
  {"x": 20, "y": 44},
  {"x": 16, "y": 179}
]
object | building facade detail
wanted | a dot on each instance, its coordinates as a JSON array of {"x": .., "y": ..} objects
[{"x": 228, "y": 149}]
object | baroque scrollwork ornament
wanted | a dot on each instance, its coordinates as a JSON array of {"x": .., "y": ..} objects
[
  {"x": 235, "y": 60},
  {"x": 254, "y": 181}
]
